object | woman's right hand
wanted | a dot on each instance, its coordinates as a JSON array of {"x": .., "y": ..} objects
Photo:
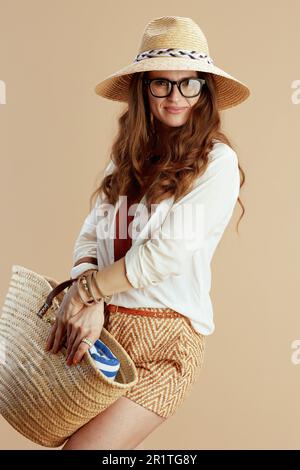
[
  {"x": 70, "y": 306},
  {"x": 88, "y": 323}
]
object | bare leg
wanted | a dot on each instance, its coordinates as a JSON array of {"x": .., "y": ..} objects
[
  {"x": 141, "y": 446},
  {"x": 123, "y": 425}
]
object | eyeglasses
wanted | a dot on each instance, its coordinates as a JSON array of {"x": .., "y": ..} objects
[{"x": 163, "y": 87}]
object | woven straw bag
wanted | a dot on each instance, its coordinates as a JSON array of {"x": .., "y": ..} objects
[{"x": 40, "y": 395}]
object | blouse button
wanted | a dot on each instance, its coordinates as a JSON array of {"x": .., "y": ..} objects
[{"x": 105, "y": 213}]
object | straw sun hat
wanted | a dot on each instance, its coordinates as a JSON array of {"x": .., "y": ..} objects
[{"x": 174, "y": 43}]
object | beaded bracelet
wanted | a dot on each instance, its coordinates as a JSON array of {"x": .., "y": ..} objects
[
  {"x": 90, "y": 280},
  {"x": 86, "y": 281},
  {"x": 81, "y": 280},
  {"x": 107, "y": 298}
]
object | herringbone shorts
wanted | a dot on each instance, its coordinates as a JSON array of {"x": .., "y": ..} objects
[{"x": 167, "y": 351}]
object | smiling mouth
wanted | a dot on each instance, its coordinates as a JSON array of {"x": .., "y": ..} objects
[{"x": 174, "y": 110}]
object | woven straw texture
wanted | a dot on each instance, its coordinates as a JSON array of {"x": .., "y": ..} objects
[{"x": 40, "y": 396}]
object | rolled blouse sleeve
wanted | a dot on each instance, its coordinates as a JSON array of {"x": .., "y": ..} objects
[{"x": 204, "y": 212}]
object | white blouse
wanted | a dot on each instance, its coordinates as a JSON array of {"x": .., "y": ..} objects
[{"x": 169, "y": 261}]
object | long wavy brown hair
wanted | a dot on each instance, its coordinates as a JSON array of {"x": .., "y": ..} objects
[{"x": 160, "y": 165}]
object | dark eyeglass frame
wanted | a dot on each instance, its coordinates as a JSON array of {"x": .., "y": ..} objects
[{"x": 174, "y": 82}]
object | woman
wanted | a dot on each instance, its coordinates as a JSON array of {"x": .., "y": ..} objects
[{"x": 174, "y": 179}]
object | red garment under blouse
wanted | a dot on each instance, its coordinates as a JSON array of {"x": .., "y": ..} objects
[{"x": 122, "y": 245}]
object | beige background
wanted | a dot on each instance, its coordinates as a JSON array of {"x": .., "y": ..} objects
[{"x": 54, "y": 142}]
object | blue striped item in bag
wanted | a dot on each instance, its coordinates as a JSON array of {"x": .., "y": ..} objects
[{"x": 104, "y": 359}]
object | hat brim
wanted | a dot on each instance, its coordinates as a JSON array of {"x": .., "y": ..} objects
[{"x": 230, "y": 91}]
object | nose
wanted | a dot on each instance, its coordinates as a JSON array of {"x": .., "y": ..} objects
[{"x": 175, "y": 94}]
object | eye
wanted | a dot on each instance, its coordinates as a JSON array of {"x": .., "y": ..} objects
[
  {"x": 161, "y": 82},
  {"x": 187, "y": 81}
]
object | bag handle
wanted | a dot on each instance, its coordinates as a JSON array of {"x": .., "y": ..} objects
[{"x": 47, "y": 304}]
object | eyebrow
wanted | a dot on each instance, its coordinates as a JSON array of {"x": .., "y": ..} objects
[{"x": 165, "y": 78}]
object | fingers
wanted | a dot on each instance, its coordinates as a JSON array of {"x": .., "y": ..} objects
[
  {"x": 67, "y": 310},
  {"x": 71, "y": 339},
  {"x": 69, "y": 332},
  {"x": 58, "y": 337},
  {"x": 75, "y": 324},
  {"x": 79, "y": 349}
]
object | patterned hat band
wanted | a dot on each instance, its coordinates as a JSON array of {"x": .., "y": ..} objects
[{"x": 173, "y": 53}]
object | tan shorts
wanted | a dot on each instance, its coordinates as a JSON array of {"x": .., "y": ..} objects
[{"x": 167, "y": 351}]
